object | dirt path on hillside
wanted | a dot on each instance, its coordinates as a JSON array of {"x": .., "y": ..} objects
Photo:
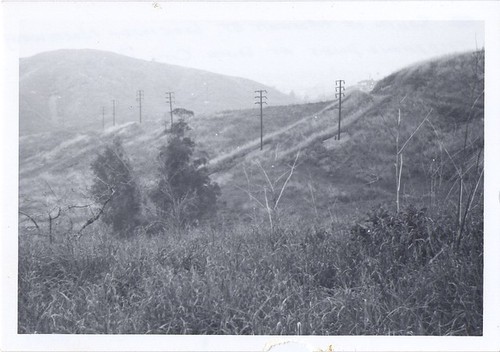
[
  {"x": 215, "y": 164},
  {"x": 230, "y": 159}
]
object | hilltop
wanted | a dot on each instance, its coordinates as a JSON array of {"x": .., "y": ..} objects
[{"x": 68, "y": 88}]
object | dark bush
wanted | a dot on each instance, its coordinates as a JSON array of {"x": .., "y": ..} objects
[
  {"x": 115, "y": 189},
  {"x": 184, "y": 194}
]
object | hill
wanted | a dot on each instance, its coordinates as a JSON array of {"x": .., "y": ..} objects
[
  {"x": 340, "y": 177},
  {"x": 70, "y": 87}
]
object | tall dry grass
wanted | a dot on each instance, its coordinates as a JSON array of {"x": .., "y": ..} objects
[{"x": 391, "y": 274}]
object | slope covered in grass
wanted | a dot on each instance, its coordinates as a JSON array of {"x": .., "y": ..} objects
[
  {"x": 441, "y": 129},
  {"x": 331, "y": 174}
]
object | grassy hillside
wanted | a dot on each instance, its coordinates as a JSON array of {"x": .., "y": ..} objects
[
  {"x": 355, "y": 170},
  {"x": 293, "y": 250},
  {"x": 70, "y": 87},
  {"x": 59, "y": 162}
]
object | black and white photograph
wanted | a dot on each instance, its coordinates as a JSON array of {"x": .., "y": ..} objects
[{"x": 280, "y": 171}]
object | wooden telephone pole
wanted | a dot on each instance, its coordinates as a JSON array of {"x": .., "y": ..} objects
[
  {"x": 260, "y": 101},
  {"x": 339, "y": 93},
  {"x": 170, "y": 100}
]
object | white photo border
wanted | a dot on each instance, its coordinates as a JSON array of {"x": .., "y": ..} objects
[{"x": 13, "y": 13}]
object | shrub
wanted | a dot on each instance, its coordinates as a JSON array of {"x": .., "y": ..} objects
[
  {"x": 184, "y": 193},
  {"x": 115, "y": 189},
  {"x": 415, "y": 264},
  {"x": 183, "y": 113}
]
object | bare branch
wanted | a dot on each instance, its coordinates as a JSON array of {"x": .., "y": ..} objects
[
  {"x": 280, "y": 177},
  {"x": 58, "y": 214},
  {"x": 415, "y": 131},
  {"x": 402, "y": 100},
  {"x": 400, "y": 173},
  {"x": 50, "y": 188},
  {"x": 471, "y": 198},
  {"x": 442, "y": 146},
  {"x": 475, "y": 102},
  {"x": 95, "y": 217},
  {"x": 288, "y": 179},
  {"x": 269, "y": 210},
  {"x": 32, "y": 220},
  {"x": 265, "y": 174},
  {"x": 251, "y": 196},
  {"x": 77, "y": 206}
]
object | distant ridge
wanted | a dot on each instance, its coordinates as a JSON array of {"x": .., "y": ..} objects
[{"x": 70, "y": 87}]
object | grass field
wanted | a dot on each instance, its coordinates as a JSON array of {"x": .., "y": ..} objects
[{"x": 395, "y": 275}]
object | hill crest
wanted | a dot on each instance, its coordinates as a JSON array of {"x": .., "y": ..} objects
[{"x": 70, "y": 87}]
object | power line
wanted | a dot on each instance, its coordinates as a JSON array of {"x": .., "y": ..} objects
[
  {"x": 170, "y": 100},
  {"x": 339, "y": 89},
  {"x": 140, "y": 97},
  {"x": 260, "y": 101}
]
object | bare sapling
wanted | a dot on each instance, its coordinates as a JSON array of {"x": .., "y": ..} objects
[
  {"x": 399, "y": 151},
  {"x": 67, "y": 211},
  {"x": 95, "y": 216},
  {"x": 273, "y": 192}
]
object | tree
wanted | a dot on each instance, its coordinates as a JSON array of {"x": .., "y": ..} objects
[
  {"x": 184, "y": 193},
  {"x": 183, "y": 113},
  {"x": 114, "y": 188}
]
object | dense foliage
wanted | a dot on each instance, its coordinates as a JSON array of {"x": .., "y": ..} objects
[
  {"x": 184, "y": 193},
  {"x": 115, "y": 189}
]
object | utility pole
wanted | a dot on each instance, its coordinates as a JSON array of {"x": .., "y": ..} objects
[
  {"x": 339, "y": 93},
  {"x": 260, "y": 102},
  {"x": 103, "y": 111},
  {"x": 170, "y": 100},
  {"x": 140, "y": 97},
  {"x": 113, "y": 112}
]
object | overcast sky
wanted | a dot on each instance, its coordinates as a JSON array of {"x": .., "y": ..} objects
[{"x": 301, "y": 55}]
